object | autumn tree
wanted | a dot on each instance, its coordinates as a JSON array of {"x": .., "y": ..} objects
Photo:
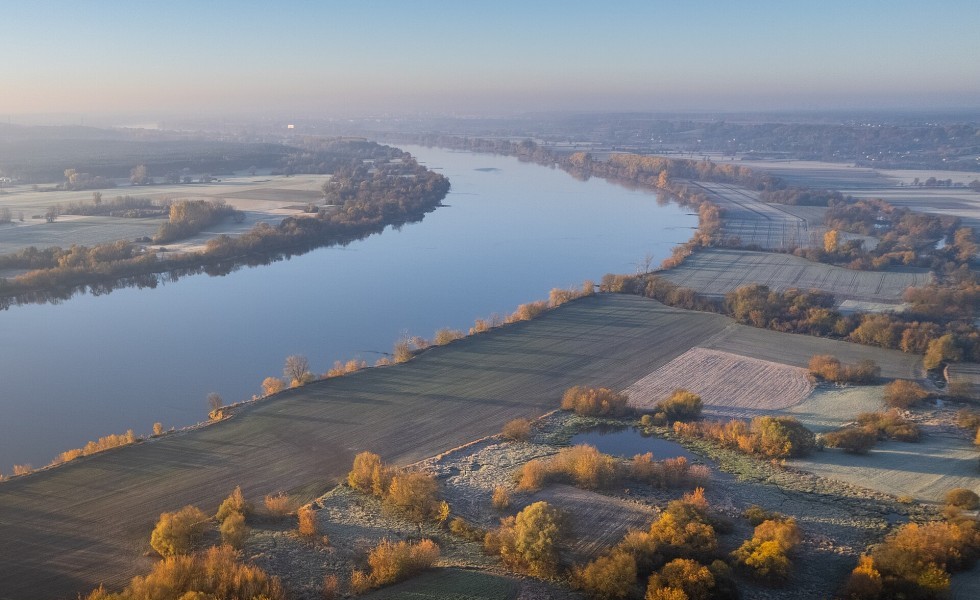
[
  {"x": 941, "y": 350},
  {"x": 529, "y": 541},
  {"x": 138, "y": 175},
  {"x": 178, "y": 532},
  {"x": 272, "y": 385},
  {"x": 831, "y": 240},
  {"x": 903, "y": 393}
]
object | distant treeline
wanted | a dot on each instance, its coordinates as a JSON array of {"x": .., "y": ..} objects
[{"x": 370, "y": 197}]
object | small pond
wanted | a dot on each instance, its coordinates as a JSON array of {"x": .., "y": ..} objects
[{"x": 629, "y": 442}]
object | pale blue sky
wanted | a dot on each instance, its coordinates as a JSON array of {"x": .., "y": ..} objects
[{"x": 322, "y": 58}]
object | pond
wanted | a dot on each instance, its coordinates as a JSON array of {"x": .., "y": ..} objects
[
  {"x": 510, "y": 232},
  {"x": 630, "y": 441}
]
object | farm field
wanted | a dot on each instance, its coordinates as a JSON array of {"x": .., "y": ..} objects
[
  {"x": 967, "y": 374},
  {"x": 67, "y": 529},
  {"x": 830, "y": 406},
  {"x": 925, "y": 470},
  {"x": 262, "y": 197},
  {"x": 729, "y": 385},
  {"x": 453, "y": 584},
  {"x": 755, "y": 223},
  {"x": 717, "y": 271},
  {"x": 956, "y": 202}
]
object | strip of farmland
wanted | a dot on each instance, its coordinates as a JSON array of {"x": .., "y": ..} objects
[
  {"x": 754, "y": 222},
  {"x": 717, "y": 271},
  {"x": 68, "y": 529}
]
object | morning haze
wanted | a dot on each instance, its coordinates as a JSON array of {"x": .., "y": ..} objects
[{"x": 496, "y": 301}]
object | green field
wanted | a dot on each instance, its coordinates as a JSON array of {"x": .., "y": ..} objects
[{"x": 68, "y": 529}]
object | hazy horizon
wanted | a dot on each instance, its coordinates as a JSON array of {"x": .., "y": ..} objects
[{"x": 355, "y": 59}]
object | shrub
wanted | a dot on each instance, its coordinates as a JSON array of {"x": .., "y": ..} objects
[
  {"x": 414, "y": 495},
  {"x": 518, "y": 430},
  {"x": 532, "y": 476},
  {"x": 369, "y": 475},
  {"x": 681, "y": 406},
  {"x": 584, "y": 466},
  {"x": 215, "y": 573},
  {"x": 234, "y": 503},
  {"x": 306, "y": 522},
  {"x": 233, "y": 530},
  {"x": 903, "y": 393},
  {"x": 392, "y": 562},
  {"x": 765, "y": 555},
  {"x": 351, "y": 366},
  {"x": 607, "y": 577},
  {"x": 890, "y": 425},
  {"x": 444, "y": 336},
  {"x": 915, "y": 561},
  {"x": 968, "y": 418},
  {"x": 272, "y": 385},
  {"x": 459, "y": 526},
  {"x": 781, "y": 437},
  {"x": 526, "y": 312},
  {"x": 830, "y": 368},
  {"x": 501, "y": 499},
  {"x": 594, "y": 402},
  {"x": 962, "y": 498},
  {"x": 178, "y": 532},
  {"x": 853, "y": 440},
  {"x": 529, "y": 540},
  {"x": 24, "y": 469},
  {"x": 756, "y": 515},
  {"x": 278, "y": 504},
  {"x": 157, "y": 429},
  {"x": 693, "y": 579}
]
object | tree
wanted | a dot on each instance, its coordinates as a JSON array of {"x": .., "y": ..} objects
[
  {"x": 530, "y": 539},
  {"x": 940, "y": 350},
  {"x": 215, "y": 402},
  {"x": 297, "y": 370},
  {"x": 903, "y": 393},
  {"x": 97, "y": 198},
  {"x": 138, "y": 176},
  {"x": 831, "y": 240},
  {"x": 178, "y": 532}
]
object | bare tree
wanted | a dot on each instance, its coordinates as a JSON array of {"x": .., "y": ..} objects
[
  {"x": 297, "y": 370},
  {"x": 215, "y": 402}
]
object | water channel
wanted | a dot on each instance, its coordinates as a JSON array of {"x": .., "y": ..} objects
[{"x": 509, "y": 232}]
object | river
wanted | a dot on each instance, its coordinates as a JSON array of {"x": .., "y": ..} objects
[{"x": 509, "y": 232}]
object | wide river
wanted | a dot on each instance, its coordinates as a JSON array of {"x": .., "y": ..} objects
[{"x": 510, "y": 232}]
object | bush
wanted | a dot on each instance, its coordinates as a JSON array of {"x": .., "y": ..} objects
[
  {"x": 529, "y": 540},
  {"x": 392, "y": 562},
  {"x": 178, "y": 532},
  {"x": 215, "y": 573},
  {"x": 278, "y": 504},
  {"x": 306, "y": 522},
  {"x": 331, "y": 587},
  {"x": 765, "y": 555},
  {"x": 584, "y": 466},
  {"x": 414, "y": 495},
  {"x": 607, "y": 577},
  {"x": 526, "y": 312},
  {"x": 532, "y": 476},
  {"x": 272, "y": 385},
  {"x": 890, "y": 425},
  {"x": 756, "y": 515},
  {"x": 444, "y": 336},
  {"x": 903, "y": 393},
  {"x": 962, "y": 498},
  {"x": 594, "y": 402},
  {"x": 692, "y": 579},
  {"x": 830, "y": 368},
  {"x": 681, "y": 406},
  {"x": 915, "y": 561},
  {"x": 853, "y": 440},
  {"x": 968, "y": 418},
  {"x": 233, "y": 530},
  {"x": 781, "y": 437},
  {"x": 459, "y": 526},
  {"x": 369, "y": 475},
  {"x": 234, "y": 503},
  {"x": 518, "y": 430},
  {"x": 501, "y": 499}
]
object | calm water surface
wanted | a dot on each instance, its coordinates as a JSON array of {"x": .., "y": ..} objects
[
  {"x": 629, "y": 442},
  {"x": 90, "y": 366}
]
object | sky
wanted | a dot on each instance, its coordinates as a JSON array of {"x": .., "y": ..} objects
[{"x": 322, "y": 58}]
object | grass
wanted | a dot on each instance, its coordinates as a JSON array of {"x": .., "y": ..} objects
[{"x": 717, "y": 271}]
